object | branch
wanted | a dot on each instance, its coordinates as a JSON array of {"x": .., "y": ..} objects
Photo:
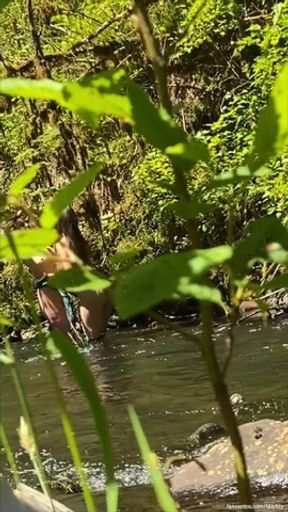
[
  {"x": 100, "y": 30},
  {"x": 42, "y": 69},
  {"x": 144, "y": 27},
  {"x": 80, "y": 47}
]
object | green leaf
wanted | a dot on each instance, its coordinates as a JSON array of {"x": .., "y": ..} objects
[
  {"x": 186, "y": 154},
  {"x": 89, "y": 101},
  {"x": 29, "y": 243},
  {"x": 3, "y": 3},
  {"x": 190, "y": 209},
  {"x": 5, "y": 359},
  {"x": 86, "y": 382},
  {"x": 123, "y": 257},
  {"x": 5, "y": 321},
  {"x": 19, "y": 184},
  {"x": 276, "y": 283},
  {"x": 102, "y": 94},
  {"x": 33, "y": 89},
  {"x": 112, "y": 80},
  {"x": 167, "y": 277},
  {"x": 161, "y": 131},
  {"x": 152, "y": 463},
  {"x": 267, "y": 240},
  {"x": 156, "y": 126},
  {"x": 272, "y": 131},
  {"x": 65, "y": 196},
  {"x": 199, "y": 292},
  {"x": 78, "y": 279},
  {"x": 240, "y": 175}
]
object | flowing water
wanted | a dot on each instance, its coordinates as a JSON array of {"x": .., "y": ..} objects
[{"x": 163, "y": 376}]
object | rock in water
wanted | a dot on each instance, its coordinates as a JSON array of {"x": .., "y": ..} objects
[
  {"x": 266, "y": 449},
  {"x": 236, "y": 399},
  {"x": 206, "y": 434}
]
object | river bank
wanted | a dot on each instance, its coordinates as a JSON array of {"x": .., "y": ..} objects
[{"x": 273, "y": 306}]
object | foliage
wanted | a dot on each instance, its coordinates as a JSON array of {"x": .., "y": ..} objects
[{"x": 176, "y": 156}]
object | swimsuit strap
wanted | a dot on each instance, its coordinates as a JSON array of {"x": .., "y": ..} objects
[{"x": 42, "y": 282}]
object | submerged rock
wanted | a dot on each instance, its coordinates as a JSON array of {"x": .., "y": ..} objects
[{"x": 266, "y": 449}]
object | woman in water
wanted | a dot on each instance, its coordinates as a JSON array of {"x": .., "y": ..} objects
[{"x": 94, "y": 308}]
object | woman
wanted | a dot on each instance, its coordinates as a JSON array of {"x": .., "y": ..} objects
[{"x": 94, "y": 308}]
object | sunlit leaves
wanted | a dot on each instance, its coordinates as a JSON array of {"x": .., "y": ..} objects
[
  {"x": 78, "y": 279},
  {"x": 162, "y": 132},
  {"x": 240, "y": 175},
  {"x": 102, "y": 95},
  {"x": 33, "y": 89},
  {"x": 112, "y": 80},
  {"x": 87, "y": 101},
  {"x": 272, "y": 130},
  {"x": 185, "y": 154},
  {"x": 66, "y": 195},
  {"x": 190, "y": 209},
  {"x": 28, "y": 243},
  {"x": 21, "y": 182},
  {"x": 168, "y": 277},
  {"x": 267, "y": 239},
  {"x": 5, "y": 321}
]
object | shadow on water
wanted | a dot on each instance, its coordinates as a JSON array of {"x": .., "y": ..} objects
[{"x": 165, "y": 379}]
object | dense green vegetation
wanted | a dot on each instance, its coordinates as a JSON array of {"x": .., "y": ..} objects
[
  {"x": 222, "y": 56},
  {"x": 182, "y": 188}
]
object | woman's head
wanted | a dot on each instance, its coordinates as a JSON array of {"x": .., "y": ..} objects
[
  {"x": 68, "y": 226},
  {"x": 67, "y": 223}
]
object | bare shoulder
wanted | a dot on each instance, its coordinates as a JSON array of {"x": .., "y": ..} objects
[{"x": 63, "y": 253}]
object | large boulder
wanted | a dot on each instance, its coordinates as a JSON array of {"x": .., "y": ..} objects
[{"x": 266, "y": 448}]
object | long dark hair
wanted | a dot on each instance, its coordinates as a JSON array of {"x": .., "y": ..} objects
[{"x": 68, "y": 226}]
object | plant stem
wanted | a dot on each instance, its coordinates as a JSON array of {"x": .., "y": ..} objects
[
  {"x": 207, "y": 346},
  {"x": 71, "y": 438},
  {"x": 222, "y": 397},
  {"x": 145, "y": 29},
  {"x": 9, "y": 454},
  {"x": 35, "y": 457}
]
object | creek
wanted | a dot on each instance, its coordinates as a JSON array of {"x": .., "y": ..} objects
[{"x": 165, "y": 379}]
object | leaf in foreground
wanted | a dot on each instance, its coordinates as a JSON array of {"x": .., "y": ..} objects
[
  {"x": 86, "y": 382},
  {"x": 240, "y": 175},
  {"x": 89, "y": 102},
  {"x": 20, "y": 183},
  {"x": 66, "y": 195},
  {"x": 28, "y": 243},
  {"x": 152, "y": 463},
  {"x": 168, "y": 277},
  {"x": 272, "y": 131},
  {"x": 267, "y": 239},
  {"x": 78, "y": 279}
]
